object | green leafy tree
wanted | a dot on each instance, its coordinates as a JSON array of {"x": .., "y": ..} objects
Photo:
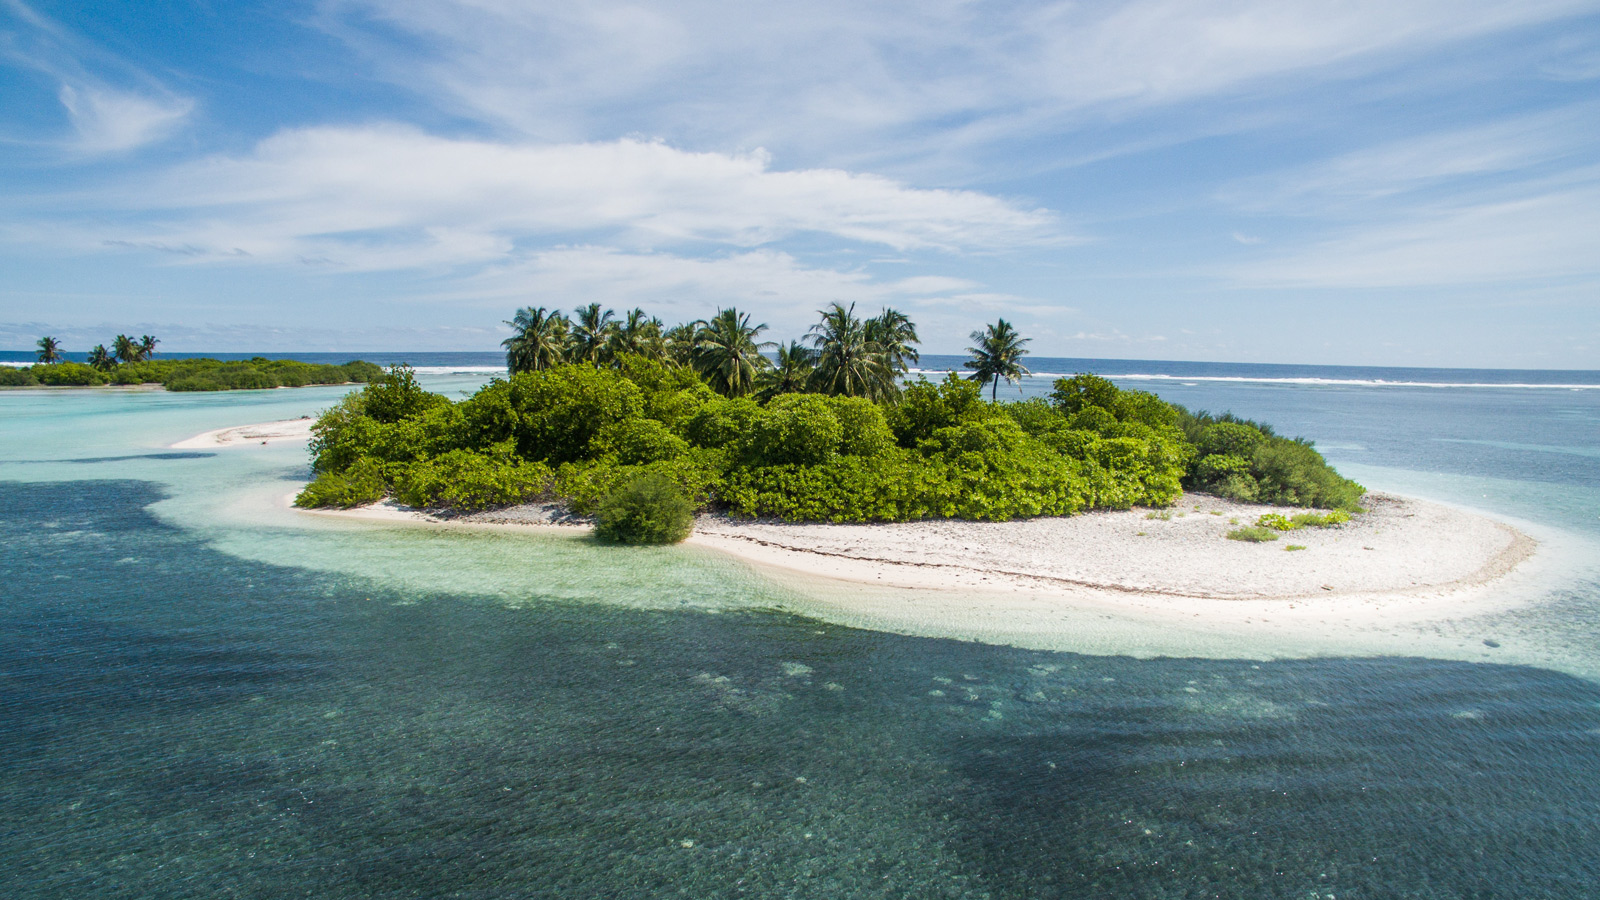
[
  {"x": 101, "y": 358},
  {"x": 848, "y": 363},
  {"x": 125, "y": 349},
  {"x": 790, "y": 372},
  {"x": 998, "y": 355},
  {"x": 147, "y": 347},
  {"x": 727, "y": 354},
  {"x": 396, "y": 395},
  {"x": 538, "y": 341},
  {"x": 49, "y": 350},
  {"x": 590, "y": 340}
]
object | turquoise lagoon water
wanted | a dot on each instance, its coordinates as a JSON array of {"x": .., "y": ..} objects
[{"x": 204, "y": 694}]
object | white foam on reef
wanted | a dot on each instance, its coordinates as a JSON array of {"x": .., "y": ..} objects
[
  {"x": 460, "y": 370},
  {"x": 1309, "y": 381}
]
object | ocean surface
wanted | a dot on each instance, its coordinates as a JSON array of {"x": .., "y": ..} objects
[{"x": 204, "y": 694}]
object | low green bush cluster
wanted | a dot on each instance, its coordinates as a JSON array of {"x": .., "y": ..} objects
[
  {"x": 579, "y": 434},
  {"x": 1280, "y": 522},
  {"x": 1245, "y": 461},
  {"x": 194, "y": 374},
  {"x": 17, "y": 376},
  {"x": 648, "y": 509},
  {"x": 1254, "y": 534}
]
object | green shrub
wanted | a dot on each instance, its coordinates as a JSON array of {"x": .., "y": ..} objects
[
  {"x": 638, "y": 441},
  {"x": 552, "y": 414},
  {"x": 864, "y": 429},
  {"x": 17, "y": 376},
  {"x": 363, "y": 483},
  {"x": 1084, "y": 391},
  {"x": 794, "y": 429},
  {"x": 648, "y": 509},
  {"x": 396, "y": 395},
  {"x": 1324, "y": 520},
  {"x": 465, "y": 481},
  {"x": 1276, "y": 522},
  {"x": 1230, "y": 439},
  {"x": 1292, "y": 473},
  {"x": 69, "y": 374},
  {"x": 926, "y": 407},
  {"x": 1253, "y": 534},
  {"x": 1293, "y": 547},
  {"x": 721, "y": 421}
]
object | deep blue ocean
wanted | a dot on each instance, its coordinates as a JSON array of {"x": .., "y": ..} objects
[{"x": 203, "y": 694}]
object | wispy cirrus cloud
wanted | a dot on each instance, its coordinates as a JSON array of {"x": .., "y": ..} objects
[
  {"x": 836, "y": 74},
  {"x": 109, "y": 105}
]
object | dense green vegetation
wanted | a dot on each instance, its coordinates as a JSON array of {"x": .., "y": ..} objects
[
  {"x": 729, "y": 433},
  {"x": 649, "y": 509},
  {"x": 191, "y": 374}
]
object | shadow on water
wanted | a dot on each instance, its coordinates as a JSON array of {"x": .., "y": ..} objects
[{"x": 175, "y": 722}]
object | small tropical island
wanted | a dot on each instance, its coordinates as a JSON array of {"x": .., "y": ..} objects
[
  {"x": 640, "y": 426},
  {"x": 830, "y": 460},
  {"x": 131, "y": 362}
]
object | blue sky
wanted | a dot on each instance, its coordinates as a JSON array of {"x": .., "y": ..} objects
[{"x": 1325, "y": 182}]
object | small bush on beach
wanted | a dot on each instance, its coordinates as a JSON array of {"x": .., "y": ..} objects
[
  {"x": 1253, "y": 534},
  {"x": 1277, "y": 522},
  {"x": 361, "y": 484},
  {"x": 1323, "y": 520},
  {"x": 1293, "y": 547},
  {"x": 649, "y": 509},
  {"x": 1163, "y": 515}
]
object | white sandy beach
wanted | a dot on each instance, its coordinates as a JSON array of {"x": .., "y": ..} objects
[
  {"x": 1118, "y": 582},
  {"x": 288, "y": 430}
]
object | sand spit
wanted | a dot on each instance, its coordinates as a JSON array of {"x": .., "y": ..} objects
[{"x": 286, "y": 431}]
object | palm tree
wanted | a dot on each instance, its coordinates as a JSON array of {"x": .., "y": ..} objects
[
  {"x": 125, "y": 349},
  {"x": 726, "y": 353},
  {"x": 998, "y": 355},
  {"x": 790, "y": 373},
  {"x": 538, "y": 342},
  {"x": 147, "y": 347},
  {"x": 101, "y": 359},
  {"x": 895, "y": 335},
  {"x": 591, "y": 334},
  {"x": 639, "y": 336},
  {"x": 680, "y": 341},
  {"x": 848, "y": 363},
  {"x": 49, "y": 350}
]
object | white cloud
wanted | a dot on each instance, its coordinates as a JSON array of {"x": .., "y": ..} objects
[
  {"x": 108, "y": 120},
  {"x": 378, "y": 198},
  {"x": 842, "y": 77},
  {"x": 1544, "y": 236},
  {"x": 111, "y": 106}
]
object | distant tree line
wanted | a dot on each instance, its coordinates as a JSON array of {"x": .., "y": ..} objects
[{"x": 131, "y": 362}]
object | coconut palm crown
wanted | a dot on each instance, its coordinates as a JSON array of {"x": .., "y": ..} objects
[
  {"x": 49, "y": 350},
  {"x": 997, "y": 355},
  {"x": 590, "y": 339},
  {"x": 896, "y": 337},
  {"x": 727, "y": 354},
  {"x": 539, "y": 340},
  {"x": 790, "y": 372},
  {"x": 125, "y": 349},
  {"x": 101, "y": 358},
  {"x": 849, "y": 363}
]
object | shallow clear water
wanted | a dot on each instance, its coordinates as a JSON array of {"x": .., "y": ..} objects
[{"x": 204, "y": 695}]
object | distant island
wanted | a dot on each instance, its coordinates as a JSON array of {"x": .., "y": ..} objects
[
  {"x": 640, "y": 425},
  {"x": 131, "y": 362}
]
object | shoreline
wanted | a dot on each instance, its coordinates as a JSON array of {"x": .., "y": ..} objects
[
  {"x": 1396, "y": 580},
  {"x": 280, "y": 432}
]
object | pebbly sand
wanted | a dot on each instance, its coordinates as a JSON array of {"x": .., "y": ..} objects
[{"x": 1139, "y": 582}]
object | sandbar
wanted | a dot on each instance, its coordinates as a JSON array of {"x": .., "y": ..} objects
[{"x": 285, "y": 431}]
